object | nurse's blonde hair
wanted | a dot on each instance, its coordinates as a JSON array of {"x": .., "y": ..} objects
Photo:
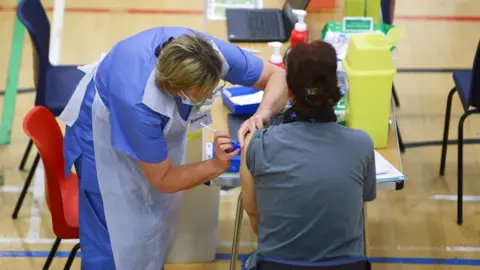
[{"x": 188, "y": 62}]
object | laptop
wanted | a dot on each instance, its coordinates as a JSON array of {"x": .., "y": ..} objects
[{"x": 263, "y": 25}]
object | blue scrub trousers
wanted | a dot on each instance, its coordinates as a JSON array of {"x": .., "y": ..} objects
[{"x": 95, "y": 244}]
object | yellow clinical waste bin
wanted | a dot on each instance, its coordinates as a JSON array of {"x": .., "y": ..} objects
[{"x": 369, "y": 73}]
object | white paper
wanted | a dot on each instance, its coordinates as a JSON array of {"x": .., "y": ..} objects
[
  {"x": 340, "y": 41},
  {"x": 216, "y": 9},
  {"x": 255, "y": 98},
  {"x": 385, "y": 171}
]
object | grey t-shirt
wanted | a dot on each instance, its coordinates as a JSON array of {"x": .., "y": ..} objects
[{"x": 311, "y": 181}]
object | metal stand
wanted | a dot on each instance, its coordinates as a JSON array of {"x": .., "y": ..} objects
[
  {"x": 28, "y": 181},
  {"x": 25, "y": 155},
  {"x": 395, "y": 96},
  {"x": 236, "y": 233},
  {"x": 71, "y": 257},
  {"x": 52, "y": 253}
]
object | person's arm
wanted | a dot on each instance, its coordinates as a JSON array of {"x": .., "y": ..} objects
[
  {"x": 169, "y": 179},
  {"x": 249, "y": 70},
  {"x": 272, "y": 82},
  {"x": 249, "y": 198}
]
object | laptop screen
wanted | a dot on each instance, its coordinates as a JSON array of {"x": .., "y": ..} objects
[{"x": 289, "y": 18}]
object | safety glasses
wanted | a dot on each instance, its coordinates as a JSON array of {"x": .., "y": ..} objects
[{"x": 215, "y": 91}]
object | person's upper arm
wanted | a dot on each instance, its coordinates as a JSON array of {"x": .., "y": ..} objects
[
  {"x": 244, "y": 68},
  {"x": 370, "y": 185},
  {"x": 138, "y": 131},
  {"x": 247, "y": 170}
]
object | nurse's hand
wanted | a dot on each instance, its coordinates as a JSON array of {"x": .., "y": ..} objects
[
  {"x": 223, "y": 149},
  {"x": 257, "y": 121}
]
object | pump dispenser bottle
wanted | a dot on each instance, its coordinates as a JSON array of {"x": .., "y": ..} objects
[
  {"x": 300, "y": 32},
  {"x": 276, "y": 57}
]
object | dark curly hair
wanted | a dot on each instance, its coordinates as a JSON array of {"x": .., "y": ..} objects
[{"x": 312, "y": 78}]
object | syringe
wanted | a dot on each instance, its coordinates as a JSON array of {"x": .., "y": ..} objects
[{"x": 234, "y": 143}]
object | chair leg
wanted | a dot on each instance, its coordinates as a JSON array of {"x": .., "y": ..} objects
[
  {"x": 460, "y": 166},
  {"x": 26, "y": 186},
  {"x": 25, "y": 155},
  {"x": 71, "y": 257},
  {"x": 400, "y": 141},
  {"x": 395, "y": 96},
  {"x": 446, "y": 128},
  {"x": 52, "y": 253},
  {"x": 236, "y": 233}
]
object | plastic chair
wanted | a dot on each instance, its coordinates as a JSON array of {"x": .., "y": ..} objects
[
  {"x": 467, "y": 84},
  {"x": 42, "y": 128},
  {"x": 54, "y": 84}
]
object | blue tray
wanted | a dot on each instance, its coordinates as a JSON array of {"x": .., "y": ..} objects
[{"x": 228, "y": 93}]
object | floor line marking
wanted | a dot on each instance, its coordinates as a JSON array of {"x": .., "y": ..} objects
[
  {"x": 447, "y": 197},
  {"x": 10, "y": 96},
  {"x": 438, "y": 143},
  {"x": 470, "y": 249},
  {"x": 5, "y": 8},
  {"x": 426, "y": 248},
  {"x": 240, "y": 244},
  {"x": 438, "y": 18},
  {"x": 56, "y": 31},
  {"x": 35, "y": 241},
  {"x": 242, "y": 257},
  {"x": 9, "y": 8},
  {"x": 430, "y": 69},
  {"x": 37, "y": 203},
  {"x": 13, "y": 189}
]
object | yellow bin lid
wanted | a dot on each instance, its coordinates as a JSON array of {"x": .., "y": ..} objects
[{"x": 371, "y": 51}]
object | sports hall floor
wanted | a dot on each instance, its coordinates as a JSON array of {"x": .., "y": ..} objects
[{"x": 411, "y": 229}]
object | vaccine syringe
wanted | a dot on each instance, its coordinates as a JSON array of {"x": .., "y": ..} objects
[{"x": 234, "y": 143}]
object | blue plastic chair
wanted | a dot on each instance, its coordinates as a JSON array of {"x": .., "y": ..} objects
[
  {"x": 54, "y": 84},
  {"x": 467, "y": 85}
]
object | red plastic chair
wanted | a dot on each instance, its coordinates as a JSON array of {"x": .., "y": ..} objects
[{"x": 61, "y": 193}]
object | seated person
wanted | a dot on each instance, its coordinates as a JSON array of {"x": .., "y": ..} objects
[{"x": 304, "y": 182}]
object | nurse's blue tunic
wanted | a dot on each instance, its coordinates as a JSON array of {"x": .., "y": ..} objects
[{"x": 137, "y": 131}]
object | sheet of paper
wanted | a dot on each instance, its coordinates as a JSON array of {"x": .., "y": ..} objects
[
  {"x": 216, "y": 8},
  {"x": 340, "y": 41},
  {"x": 385, "y": 171},
  {"x": 255, "y": 98}
]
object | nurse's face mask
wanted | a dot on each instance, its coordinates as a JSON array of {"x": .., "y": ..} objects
[{"x": 188, "y": 100}]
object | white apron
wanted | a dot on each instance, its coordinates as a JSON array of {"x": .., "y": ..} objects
[{"x": 140, "y": 219}]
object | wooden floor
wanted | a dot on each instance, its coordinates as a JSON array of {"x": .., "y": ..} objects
[{"x": 415, "y": 225}]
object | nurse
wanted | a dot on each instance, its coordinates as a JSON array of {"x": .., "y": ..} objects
[{"x": 126, "y": 135}]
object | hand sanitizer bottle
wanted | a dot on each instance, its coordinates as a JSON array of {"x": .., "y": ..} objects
[
  {"x": 300, "y": 32},
  {"x": 276, "y": 57}
]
